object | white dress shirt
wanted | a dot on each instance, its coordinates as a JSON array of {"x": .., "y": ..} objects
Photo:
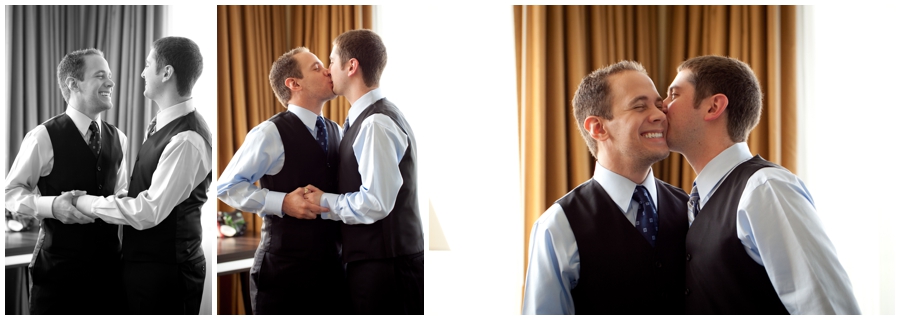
[
  {"x": 35, "y": 160},
  {"x": 262, "y": 153},
  {"x": 779, "y": 228},
  {"x": 378, "y": 149},
  {"x": 183, "y": 165},
  {"x": 554, "y": 265}
]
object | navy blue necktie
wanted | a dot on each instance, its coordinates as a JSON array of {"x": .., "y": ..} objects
[
  {"x": 321, "y": 134},
  {"x": 95, "y": 138},
  {"x": 647, "y": 220},
  {"x": 694, "y": 201}
]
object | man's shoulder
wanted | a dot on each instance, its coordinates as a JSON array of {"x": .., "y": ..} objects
[{"x": 666, "y": 187}]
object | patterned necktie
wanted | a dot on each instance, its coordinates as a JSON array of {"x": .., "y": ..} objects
[
  {"x": 321, "y": 134},
  {"x": 694, "y": 201},
  {"x": 151, "y": 129},
  {"x": 647, "y": 220},
  {"x": 346, "y": 124},
  {"x": 95, "y": 139}
]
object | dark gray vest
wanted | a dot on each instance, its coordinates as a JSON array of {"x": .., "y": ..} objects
[
  {"x": 400, "y": 233},
  {"x": 721, "y": 277},
  {"x": 620, "y": 272}
]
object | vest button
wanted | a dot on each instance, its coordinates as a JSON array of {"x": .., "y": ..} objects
[
  {"x": 100, "y": 186},
  {"x": 659, "y": 264},
  {"x": 688, "y": 257},
  {"x": 687, "y": 291},
  {"x": 98, "y": 168}
]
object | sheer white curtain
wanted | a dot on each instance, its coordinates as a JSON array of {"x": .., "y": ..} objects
[
  {"x": 850, "y": 123},
  {"x": 451, "y": 70}
]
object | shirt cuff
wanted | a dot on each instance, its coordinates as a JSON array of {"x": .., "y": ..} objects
[
  {"x": 85, "y": 203},
  {"x": 45, "y": 207},
  {"x": 329, "y": 200},
  {"x": 274, "y": 199}
]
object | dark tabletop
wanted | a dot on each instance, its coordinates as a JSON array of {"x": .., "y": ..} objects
[
  {"x": 237, "y": 248},
  {"x": 19, "y": 243}
]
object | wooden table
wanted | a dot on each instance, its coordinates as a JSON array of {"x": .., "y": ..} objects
[
  {"x": 235, "y": 255},
  {"x": 20, "y": 247}
]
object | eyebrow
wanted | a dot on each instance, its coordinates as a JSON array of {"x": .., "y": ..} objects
[
  {"x": 639, "y": 98},
  {"x": 673, "y": 87}
]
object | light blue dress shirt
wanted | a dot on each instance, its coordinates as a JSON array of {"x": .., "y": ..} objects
[
  {"x": 378, "y": 149},
  {"x": 262, "y": 153},
  {"x": 554, "y": 265},
  {"x": 779, "y": 228}
]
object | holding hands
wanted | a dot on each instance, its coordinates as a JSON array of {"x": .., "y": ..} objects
[
  {"x": 63, "y": 209},
  {"x": 303, "y": 203}
]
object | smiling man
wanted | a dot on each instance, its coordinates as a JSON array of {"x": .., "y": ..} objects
[
  {"x": 614, "y": 244},
  {"x": 163, "y": 264},
  {"x": 75, "y": 266}
]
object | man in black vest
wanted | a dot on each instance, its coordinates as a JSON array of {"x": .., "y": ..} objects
[
  {"x": 297, "y": 268},
  {"x": 377, "y": 194},
  {"x": 614, "y": 244},
  {"x": 755, "y": 245},
  {"x": 75, "y": 268},
  {"x": 163, "y": 264}
]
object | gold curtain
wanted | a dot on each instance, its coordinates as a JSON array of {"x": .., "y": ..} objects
[
  {"x": 556, "y": 46},
  {"x": 765, "y": 38},
  {"x": 250, "y": 38}
]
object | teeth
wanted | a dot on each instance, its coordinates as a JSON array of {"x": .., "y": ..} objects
[
  {"x": 105, "y": 94},
  {"x": 653, "y": 135}
]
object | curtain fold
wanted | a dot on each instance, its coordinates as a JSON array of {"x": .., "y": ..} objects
[
  {"x": 556, "y": 46},
  {"x": 39, "y": 37},
  {"x": 250, "y": 38}
]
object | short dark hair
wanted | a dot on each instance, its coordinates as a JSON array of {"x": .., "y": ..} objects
[
  {"x": 72, "y": 65},
  {"x": 716, "y": 74},
  {"x": 286, "y": 66},
  {"x": 365, "y": 45},
  {"x": 593, "y": 97},
  {"x": 184, "y": 56}
]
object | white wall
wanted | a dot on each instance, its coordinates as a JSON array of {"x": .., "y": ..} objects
[
  {"x": 451, "y": 69},
  {"x": 184, "y": 21},
  {"x": 851, "y": 115}
]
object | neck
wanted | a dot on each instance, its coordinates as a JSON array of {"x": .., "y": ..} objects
[
  {"x": 169, "y": 100},
  {"x": 309, "y": 104},
  {"x": 81, "y": 108},
  {"x": 357, "y": 91},
  {"x": 705, "y": 151},
  {"x": 628, "y": 169}
]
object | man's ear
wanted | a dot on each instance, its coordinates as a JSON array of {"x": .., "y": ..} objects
[
  {"x": 718, "y": 104},
  {"x": 292, "y": 84},
  {"x": 168, "y": 73},
  {"x": 354, "y": 67},
  {"x": 72, "y": 85},
  {"x": 596, "y": 128}
]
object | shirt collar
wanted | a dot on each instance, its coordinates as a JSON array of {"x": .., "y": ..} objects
[
  {"x": 165, "y": 116},
  {"x": 308, "y": 118},
  {"x": 620, "y": 189},
  {"x": 719, "y": 167},
  {"x": 81, "y": 120},
  {"x": 364, "y": 102}
]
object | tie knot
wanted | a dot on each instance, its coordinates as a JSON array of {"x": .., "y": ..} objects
[
  {"x": 320, "y": 122},
  {"x": 694, "y": 193},
  {"x": 641, "y": 195},
  {"x": 94, "y": 128}
]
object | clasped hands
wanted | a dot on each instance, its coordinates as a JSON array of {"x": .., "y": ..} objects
[
  {"x": 63, "y": 209},
  {"x": 303, "y": 203}
]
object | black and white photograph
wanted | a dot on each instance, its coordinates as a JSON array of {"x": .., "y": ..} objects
[{"x": 109, "y": 161}]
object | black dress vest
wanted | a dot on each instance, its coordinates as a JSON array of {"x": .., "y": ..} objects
[
  {"x": 76, "y": 168},
  {"x": 400, "y": 233},
  {"x": 721, "y": 278},
  {"x": 621, "y": 273},
  {"x": 177, "y": 238},
  {"x": 304, "y": 163}
]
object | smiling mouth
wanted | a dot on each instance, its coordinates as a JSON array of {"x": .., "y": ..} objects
[
  {"x": 651, "y": 135},
  {"x": 104, "y": 94}
]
